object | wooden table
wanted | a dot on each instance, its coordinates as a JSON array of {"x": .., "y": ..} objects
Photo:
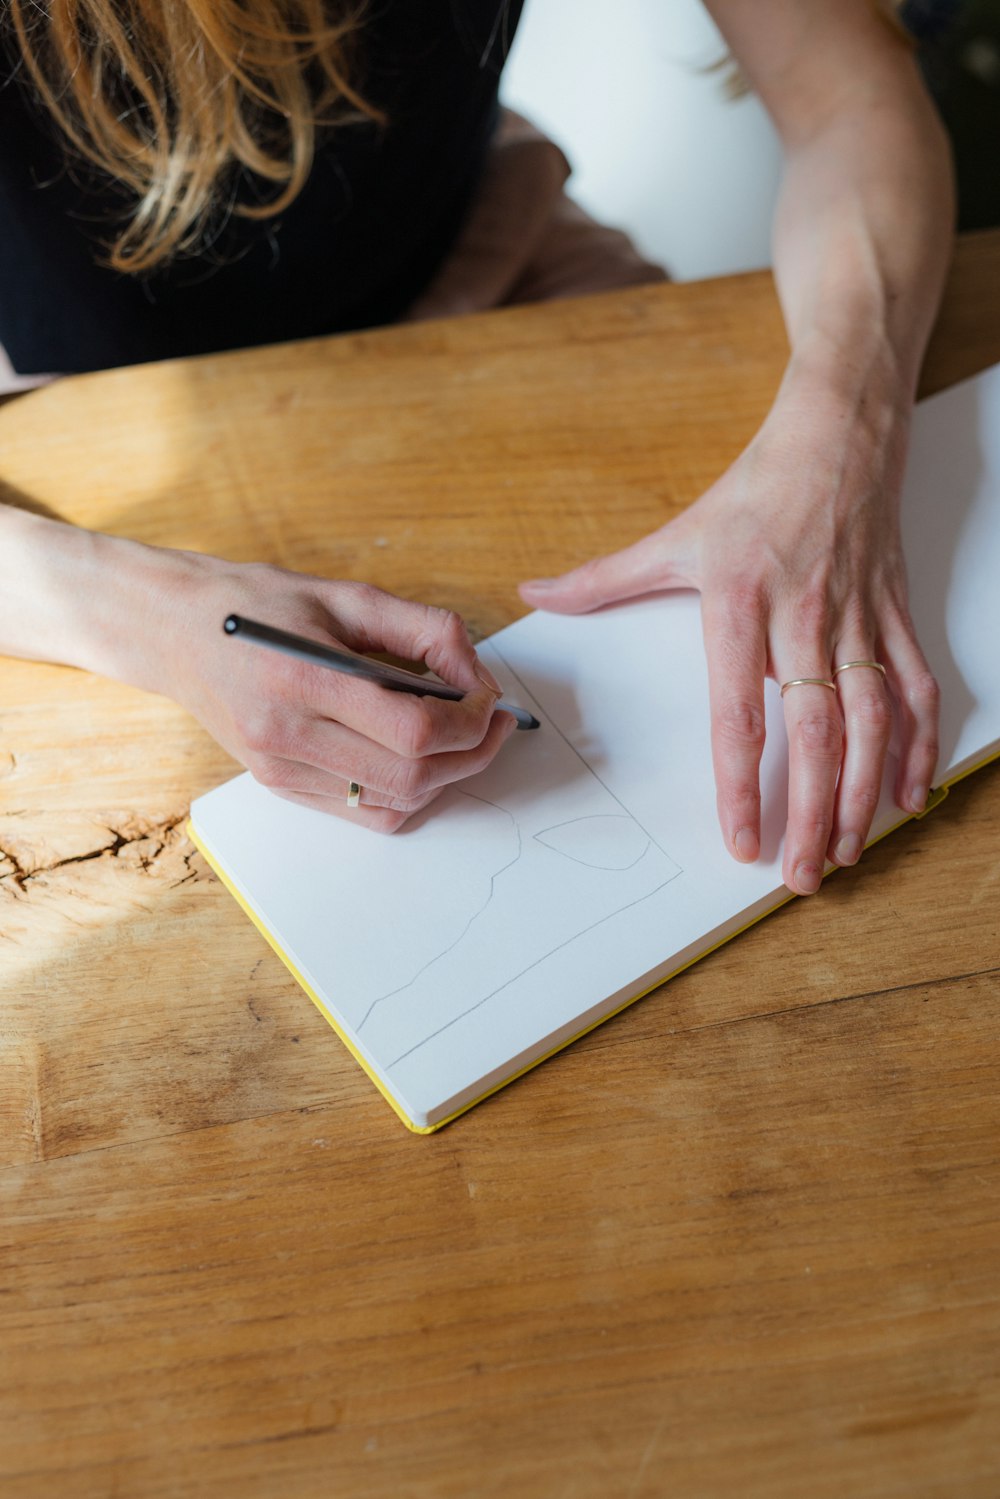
[{"x": 744, "y": 1240}]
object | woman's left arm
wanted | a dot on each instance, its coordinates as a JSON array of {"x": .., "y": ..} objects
[{"x": 796, "y": 548}]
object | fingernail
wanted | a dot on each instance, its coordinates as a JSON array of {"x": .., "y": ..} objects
[
  {"x": 541, "y": 583},
  {"x": 848, "y": 850},
  {"x": 807, "y": 878},
  {"x": 747, "y": 845},
  {"x": 918, "y": 798},
  {"x": 487, "y": 678}
]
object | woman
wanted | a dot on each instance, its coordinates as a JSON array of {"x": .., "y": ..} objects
[{"x": 238, "y": 220}]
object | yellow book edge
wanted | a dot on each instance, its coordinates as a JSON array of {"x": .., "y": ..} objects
[{"x": 936, "y": 797}]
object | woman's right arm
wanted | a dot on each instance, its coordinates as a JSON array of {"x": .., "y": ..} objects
[{"x": 153, "y": 618}]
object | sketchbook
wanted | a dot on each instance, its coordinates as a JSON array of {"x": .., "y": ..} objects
[{"x": 585, "y": 866}]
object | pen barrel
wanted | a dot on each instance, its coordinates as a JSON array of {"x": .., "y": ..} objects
[{"x": 395, "y": 678}]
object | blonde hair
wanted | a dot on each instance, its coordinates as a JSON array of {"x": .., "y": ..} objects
[{"x": 172, "y": 98}]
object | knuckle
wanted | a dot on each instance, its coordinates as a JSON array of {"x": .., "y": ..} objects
[
  {"x": 270, "y": 771},
  {"x": 262, "y": 732},
  {"x": 407, "y": 805},
  {"x": 923, "y": 692},
  {"x": 742, "y": 798},
  {"x": 385, "y": 820},
  {"x": 740, "y": 722},
  {"x": 862, "y": 801},
  {"x": 408, "y": 780},
  {"x": 856, "y": 619},
  {"x": 452, "y": 626},
  {"x": 249, "y": 727},
  {"x": 364, "y": 596},
  {"x": 443, "y": 628},
  {"x": 873, "y": 709},
  {"x": 820, "y": 735},
  {"x": 469, "y": 724},
  {"x": 745, "y": 602},
  {"x": 374, "y": 608},
  {"x": 812, "y": 613},
  {"x": 416, "y": 732}
]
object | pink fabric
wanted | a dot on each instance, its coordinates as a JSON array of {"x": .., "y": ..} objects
[{"x": 525, "y": 240}]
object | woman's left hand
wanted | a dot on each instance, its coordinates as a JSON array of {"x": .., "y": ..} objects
[{"x": 796, "y": 552}]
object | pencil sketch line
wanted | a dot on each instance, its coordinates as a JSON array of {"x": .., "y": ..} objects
[
  {"x": 567, "y": 741},
  {"x": 589, "y": 863},
  {"x": 544, "y": 958},
  {"x": 474, "y": 917}
]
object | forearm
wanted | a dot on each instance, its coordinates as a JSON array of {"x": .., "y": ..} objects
[
  {"x": 80, "y": 598},
  {"x": 866, "y": 211},
  {"x": 153, "y": 617},
  {"x": 862, "y": 241}
]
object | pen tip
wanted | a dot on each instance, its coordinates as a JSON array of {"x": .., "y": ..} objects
[{"x": 230, "y": 624}]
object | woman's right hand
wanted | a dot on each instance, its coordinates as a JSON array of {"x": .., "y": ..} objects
[
  {"x": 154, "y": 617},
  {"x": 306, "y": 731}
]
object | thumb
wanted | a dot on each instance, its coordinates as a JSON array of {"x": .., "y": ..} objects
[{"x": 644, "y": 567}]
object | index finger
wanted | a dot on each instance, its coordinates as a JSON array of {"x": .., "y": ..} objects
[
  {"x": 402, "y": 722},
  {"x": 737, "y": 660},
  {"x": 369, "y": 619}
]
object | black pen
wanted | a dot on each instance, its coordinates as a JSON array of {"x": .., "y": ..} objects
[{"x": 393, "y": 677}]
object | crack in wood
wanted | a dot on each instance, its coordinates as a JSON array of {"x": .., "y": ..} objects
[{"x": 18, "y": 877}]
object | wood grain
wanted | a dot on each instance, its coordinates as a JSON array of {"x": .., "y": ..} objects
[{"x": 743, "y": 1240}]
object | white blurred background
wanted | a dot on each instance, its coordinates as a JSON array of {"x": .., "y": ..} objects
[{"x": 656, "y": 146}]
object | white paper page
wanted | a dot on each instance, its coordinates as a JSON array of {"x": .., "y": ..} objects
[
  {"x": 951, "y": 527},
  {"x": 587, "y": 859}
]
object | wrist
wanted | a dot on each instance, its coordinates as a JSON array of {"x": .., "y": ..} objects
[
  {"x": 850, "y": 370},
  {"x": 80, "y": 598},
  {"x": 843, "y": 432},
  {"x": 132, "y": 633},
  {"x": 832, "y": 398}
]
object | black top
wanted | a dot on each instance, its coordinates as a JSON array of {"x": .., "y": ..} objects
[{"x": 374, "y": 221}]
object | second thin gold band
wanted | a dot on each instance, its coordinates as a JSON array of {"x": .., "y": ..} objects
[
  {"x": 807, "y": 682},
  {"x": 875, "y": 666}
]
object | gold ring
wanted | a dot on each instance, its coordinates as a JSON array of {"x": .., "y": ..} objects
[
  {"x": 353, "y": 794},
  {"x": 875, "y": 665},
  {"x": 807, "y": 682}
]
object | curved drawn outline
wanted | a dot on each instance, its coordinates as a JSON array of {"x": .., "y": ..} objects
[
  {"x": 588, "y": 863},
  {"x": 474, "y": 917},
  {"x": 544, "y": 959},
  {"x": 625, "y": 812}
]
